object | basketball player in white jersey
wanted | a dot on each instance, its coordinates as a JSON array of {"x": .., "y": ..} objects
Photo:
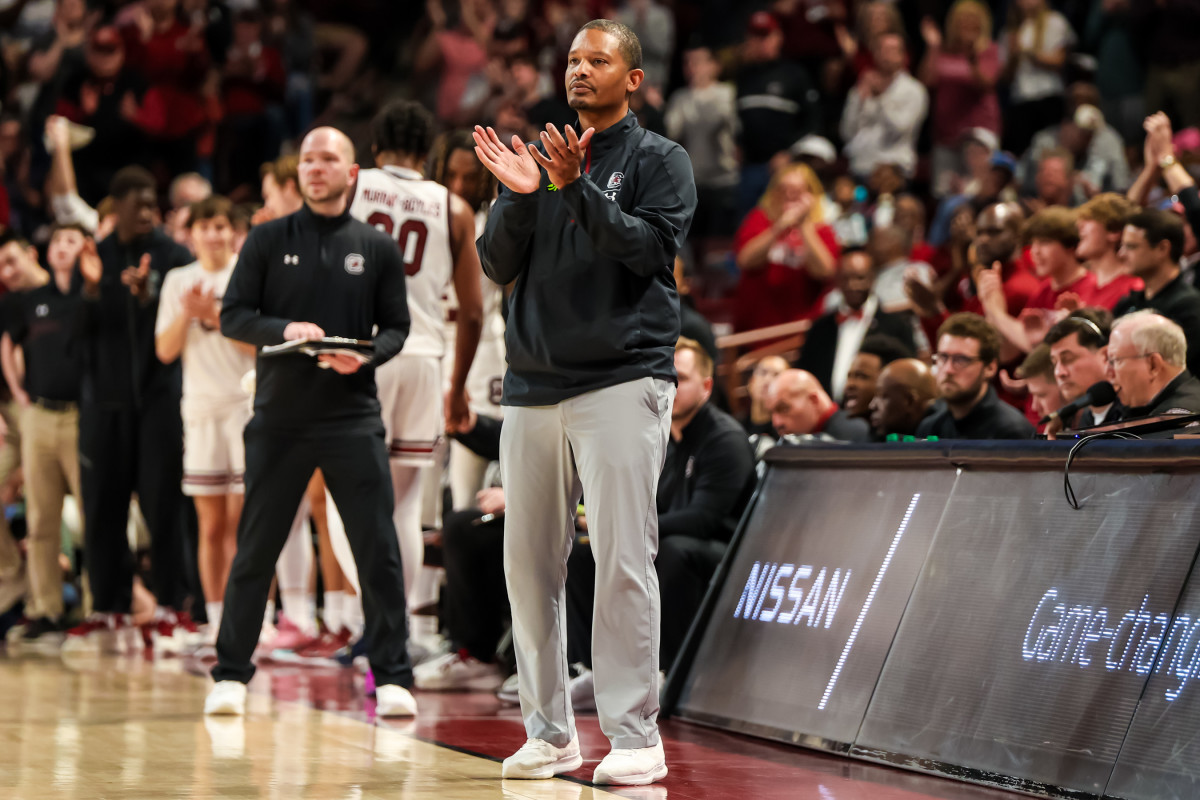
[
  {"x": 435, "y": 231},
  {"x": 215, "y": 405},
  {"x": 454, "y": 165}
]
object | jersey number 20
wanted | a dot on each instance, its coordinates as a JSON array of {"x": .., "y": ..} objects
[{"x": 410, "y": 237}]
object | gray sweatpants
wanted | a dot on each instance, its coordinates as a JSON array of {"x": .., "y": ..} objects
[{"x": 609, "y": 445}]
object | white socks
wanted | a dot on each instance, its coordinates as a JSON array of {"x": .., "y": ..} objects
[
  {"x": 422, "y": 626},
  {"x": 334, "y": 614},
  {"x": 352, "y": 614},
  {"x": 301, "y": 608},
  {"x": 213, "y": 610},
  {"x": 406, "y": 515}
]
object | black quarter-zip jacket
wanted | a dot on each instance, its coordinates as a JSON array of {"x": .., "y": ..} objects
[
  {"x": 338, "y": 273},
  {"x": 594, "y": 303}
]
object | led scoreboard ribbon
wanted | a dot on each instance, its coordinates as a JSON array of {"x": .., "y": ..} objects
[{"x": 1139, "y": 642}]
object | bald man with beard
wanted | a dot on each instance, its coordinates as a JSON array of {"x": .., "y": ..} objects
[
  {"x": 904, "y": 395},
  {"x": 800, "y": 407},
  {"x": 315, "y": 273}
]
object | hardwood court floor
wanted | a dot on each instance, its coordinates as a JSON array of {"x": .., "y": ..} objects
[{"x": 131, "y": 727}]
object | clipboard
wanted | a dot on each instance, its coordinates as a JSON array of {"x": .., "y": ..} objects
[{"x": 362, "y": 349}]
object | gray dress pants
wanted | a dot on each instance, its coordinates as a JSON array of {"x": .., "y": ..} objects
[{"x": 609, "y": 446}]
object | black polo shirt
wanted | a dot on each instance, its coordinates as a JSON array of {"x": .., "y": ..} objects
[
  {"x": 1179, "y": 302},
  {"x": 42, "y": 321},
  {"x": 991, "y": 418},
  {"x": 707, "y": 478}
]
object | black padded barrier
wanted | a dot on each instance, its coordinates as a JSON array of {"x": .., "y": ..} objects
[{"x": 941, "y": 607}]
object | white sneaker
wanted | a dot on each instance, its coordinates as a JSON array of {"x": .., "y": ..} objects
[
  {"x": 15, "y": 636},
  {"x": 538, "y": 759},
  {"x": 394, "y": 701},
  {"x": 636, "y": 767},
  {"x": 97, "y": 634},
  {"x": 226, "y": 697},
  {"x": 129, "y": 639},
  {"x": 509, "y": 692},
  {"x": 457, "y": 672},
  {"x": 426, "y": 648},
  {"x": 582, "y": 688}
]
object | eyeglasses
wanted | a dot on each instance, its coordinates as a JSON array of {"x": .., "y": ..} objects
[
  {"x": 958, "y": 360},
  {"x": 1113, "y": 361}
]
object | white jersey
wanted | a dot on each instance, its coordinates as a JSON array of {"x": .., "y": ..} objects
[
  {"x": 486, "y": 378},
  {"x": 213, "y": 366},
  {"x": 493, "y": 297},
  {"x": 416, "y": 213}
]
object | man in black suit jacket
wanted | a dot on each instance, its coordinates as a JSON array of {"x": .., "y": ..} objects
[{"x": 836, "y": 337}]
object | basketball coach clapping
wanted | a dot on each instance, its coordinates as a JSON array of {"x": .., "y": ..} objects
[{"x": 588, "y": 226}]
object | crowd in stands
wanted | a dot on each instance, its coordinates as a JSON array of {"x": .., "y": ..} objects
[{"x": 976, "y": 211}]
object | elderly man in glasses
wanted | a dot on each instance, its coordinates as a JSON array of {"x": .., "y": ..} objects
[
  {"x": 966, "y": 361},
  {"x": 1147, "y": 358}
]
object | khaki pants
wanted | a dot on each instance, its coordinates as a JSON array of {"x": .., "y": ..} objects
[
  {"x": 50, "y": 455},
  {"x": 12, "y": 574}
]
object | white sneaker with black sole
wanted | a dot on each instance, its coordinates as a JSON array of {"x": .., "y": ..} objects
[
  {"x": 538, "y": 759},
  {"x": 632, "y": 767}
]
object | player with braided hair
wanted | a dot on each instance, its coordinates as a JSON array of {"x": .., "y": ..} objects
[
  {"x": 402, "y": 127},
  {"x": 454, "y": 165}
]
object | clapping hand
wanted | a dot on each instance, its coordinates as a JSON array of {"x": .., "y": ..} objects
[
  {"x": 200, "y": 304},
  {"x": 58, "y": 133},
  {"x": 138, "y": 278},
  {"x": 931, "y": 34},
  {"x": 796, "y": 213},
  {"x": 564, "y": 157},
  {"x": 90, "y": 266},
  {"x": 925, "y": 301},
  {"x": 1159, "y": 143},
  {"x": 515, "y": 168},
  {"x": 990, "y": 288},
  {"x": 1037, "y": 322}
]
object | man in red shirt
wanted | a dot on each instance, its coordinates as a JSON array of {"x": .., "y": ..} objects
[{"x": 1100, "y": 222}]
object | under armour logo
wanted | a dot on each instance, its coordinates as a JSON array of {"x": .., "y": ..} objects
[{"x": 291, "y": 259}]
